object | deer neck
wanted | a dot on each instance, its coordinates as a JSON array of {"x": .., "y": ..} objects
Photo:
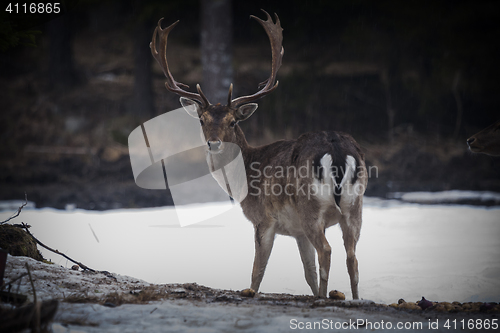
[{"x": 246, "y": 149}]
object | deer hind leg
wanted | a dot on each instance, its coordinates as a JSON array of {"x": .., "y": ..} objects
[
  {"x": 352, "y": 263},
  {"x": 324, "y": 255},
  {"x": 350, "y": 233},
  {"x": 315, "y": 233},
  {"x": 264, "y": 239},
  {"x": 308, "y": 256}
]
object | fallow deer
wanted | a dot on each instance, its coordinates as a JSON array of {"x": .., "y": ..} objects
[
  {"x": 486, "y": 141},
  {"x": 297, "y": 187}
]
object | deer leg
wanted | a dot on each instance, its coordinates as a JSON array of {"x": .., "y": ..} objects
[
  {"x": 316, "y": 235},
  {"x": 350, "y": 234},
  {"x": 264, "y": 239},
  {"x": 307, "y": 254},
  {"x": 324, "y": 255},
  {"x": 352, "y": 263}
]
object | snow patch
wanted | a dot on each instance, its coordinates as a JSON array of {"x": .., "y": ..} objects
[{"x": 450, "y": 197}]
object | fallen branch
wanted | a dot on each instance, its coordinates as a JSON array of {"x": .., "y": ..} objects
[
  {"x": 26, "y": 227},
  {"x": 84, "y": 267}
]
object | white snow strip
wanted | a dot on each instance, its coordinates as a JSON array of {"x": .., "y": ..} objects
[
  {"x": 445, "y": 253},
  {"x": 452, "y": 196}
]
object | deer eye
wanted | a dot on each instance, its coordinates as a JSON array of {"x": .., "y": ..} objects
[{"x": 232, "y": 124}]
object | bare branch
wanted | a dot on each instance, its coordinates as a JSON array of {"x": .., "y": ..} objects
[
  {"x": 18, "y": 210},
  {"x": 32, "y": 284},
  {"x": 25, "y": 226},
  {"x": 13, "y": 280}
]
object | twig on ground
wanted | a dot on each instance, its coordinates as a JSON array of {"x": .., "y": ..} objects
[
  {"x": 84, "y": 267},
  {"x": 18, "y": 210},
  {"x": 36, "y": 324},
  {"x": 32, "y": 284},
  {"x": 35, "y": 316},
  {"x": 26, "y": 227},
  {"x": 14, "y": 280}
]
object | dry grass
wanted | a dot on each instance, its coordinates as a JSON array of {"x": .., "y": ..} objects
[{"x": 142, "y": 296}]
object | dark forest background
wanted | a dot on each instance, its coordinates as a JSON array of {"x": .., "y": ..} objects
[{"x": 410, "y": 80}]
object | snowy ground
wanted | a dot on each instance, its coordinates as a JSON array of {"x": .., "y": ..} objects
[
  {"x": 445, "y": 253},
  {"x": 192, "y": 308}
]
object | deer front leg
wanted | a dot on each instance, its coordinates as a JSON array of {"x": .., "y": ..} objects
[
  {"x": 307, "y": 254},
  {"x": 264, "y": 239}
]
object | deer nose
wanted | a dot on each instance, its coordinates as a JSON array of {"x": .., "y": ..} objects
[
  {"x": 470, "y": 140},
  {"x": 214, "y": 145}
]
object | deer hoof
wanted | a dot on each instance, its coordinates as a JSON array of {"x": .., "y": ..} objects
[
  {"x": 337, "y": 295},
  {"x": 249, "y": 292}
]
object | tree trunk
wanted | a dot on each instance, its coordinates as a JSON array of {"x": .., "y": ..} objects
[
  {"x": 386, "y": 82},
  {"x": 458, "y": 101},
  {"x": 62, "y": 73},
  {"x": 143, "y": 98},
  {"x": 216, "y": 49}
]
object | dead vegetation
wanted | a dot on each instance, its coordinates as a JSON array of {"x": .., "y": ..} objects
[{"x": 17, "y": 314}]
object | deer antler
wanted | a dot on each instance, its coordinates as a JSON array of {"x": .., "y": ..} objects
[
  {"x": 161, "y": 57},
  {"x": 274, "y": 32}
]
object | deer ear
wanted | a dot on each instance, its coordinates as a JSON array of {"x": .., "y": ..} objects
[
  {"x": 191, "y": 107},
  {"x": 245, "y": 111}
]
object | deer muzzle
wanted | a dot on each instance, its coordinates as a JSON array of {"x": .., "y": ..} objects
[{"x": 215, "y": 146}]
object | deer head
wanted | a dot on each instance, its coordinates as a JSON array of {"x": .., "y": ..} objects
[
  {"x": 486, "y": 141},
  {"x": 218, "y": 121}
]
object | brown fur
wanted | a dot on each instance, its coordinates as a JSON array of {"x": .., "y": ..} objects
[
  {"x": 298, "y": 215},
  {"x": 324, "y": 157}
]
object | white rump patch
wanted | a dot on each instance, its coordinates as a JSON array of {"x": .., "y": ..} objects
[
  {"x": 350, "y": 168},
  {"x": 326, "y": 163},
  {"x": 328, "y": 178}
]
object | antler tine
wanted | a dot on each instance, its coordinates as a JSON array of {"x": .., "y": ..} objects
[
  {"x": 275, "y": 34},
  {"x": 161, "y": 57},
  {"x": 230, "y": 95},
  {"x": 202, "y": 95}
]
